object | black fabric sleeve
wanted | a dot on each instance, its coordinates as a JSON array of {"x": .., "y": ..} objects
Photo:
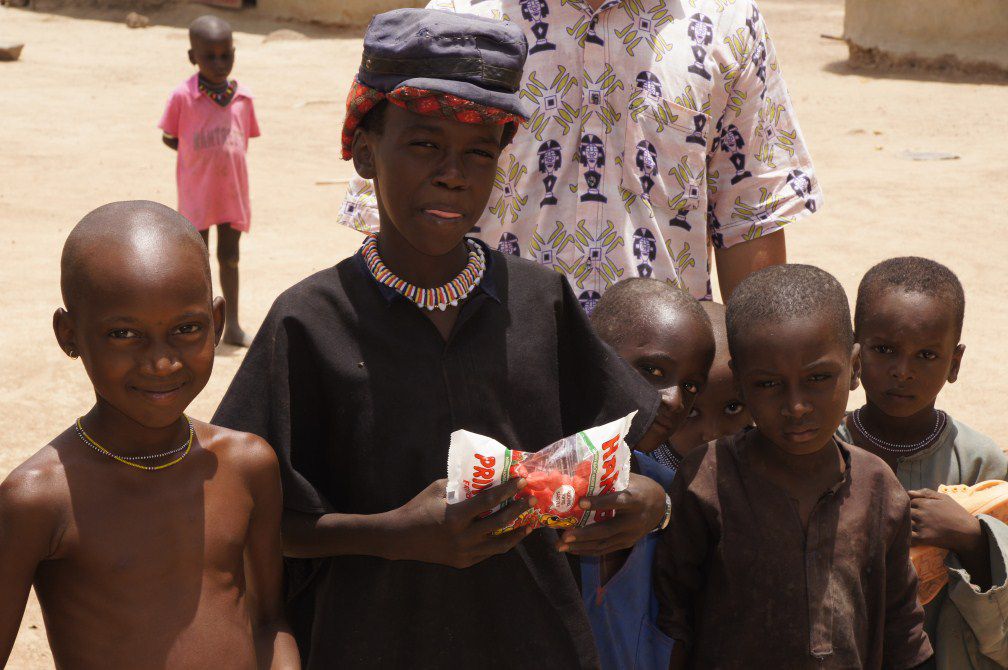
[
  {"x": 596, "y": 385},
  {"x": 276, "y": 394}
]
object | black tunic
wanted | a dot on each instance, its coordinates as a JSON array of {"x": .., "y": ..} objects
[{"x": 358, "y": 393}]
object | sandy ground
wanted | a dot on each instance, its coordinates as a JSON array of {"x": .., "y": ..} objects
[{"x": 77, "y": 129}]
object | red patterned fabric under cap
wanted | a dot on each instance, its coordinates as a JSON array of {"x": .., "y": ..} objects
[{"x": 362, "y": 100}]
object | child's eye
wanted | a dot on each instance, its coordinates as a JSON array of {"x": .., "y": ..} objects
[
  {"x": 652, "y": 371},
  {"x": 928, "y": 355},
  {"x": 484, "y": 154},
  {"x": 691, "y": 388},
  {"x": 733, "y": 408},
  {"x": 765, "y": 384},
  {"x": 123, "y": 334},
  {"x": 820, "y": 377},
  {"x": 424, "y": 144},
  {"x": 189, "y": 329},
  {"x": 882, "y": 348}
]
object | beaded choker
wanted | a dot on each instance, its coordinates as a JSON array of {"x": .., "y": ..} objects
[
  {"x": 667, "y": 456},
  {"x": 893, "y": 448},
  {"x": 133, "y": 461},
  {"x": 440, "y": 297},
  {"x": 223, "y": 97}
]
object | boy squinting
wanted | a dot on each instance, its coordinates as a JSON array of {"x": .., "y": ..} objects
[
  {"x": 783, "y": 520},
  {"x": 361, "y": 372}
]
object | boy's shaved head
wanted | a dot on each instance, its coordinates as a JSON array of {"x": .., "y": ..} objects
[
  {"x": 912, "y": 274},
  {"x": 785, "y": 292},
  {"x": 135, "y": 233},
  {"x": 209, "y": 28},
  {"x": 631, "y": 303}
]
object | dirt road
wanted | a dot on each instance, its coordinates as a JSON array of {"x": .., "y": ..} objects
[{"x": 78, "y": 119}]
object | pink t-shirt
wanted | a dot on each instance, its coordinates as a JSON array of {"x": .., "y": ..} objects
[{"x": 212, "y": 141}]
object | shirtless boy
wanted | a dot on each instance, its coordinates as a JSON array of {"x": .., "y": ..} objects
[{"x": 152, "y": 540}]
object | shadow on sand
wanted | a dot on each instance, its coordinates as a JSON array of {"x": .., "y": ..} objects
[{"x": 245, "y": 20}]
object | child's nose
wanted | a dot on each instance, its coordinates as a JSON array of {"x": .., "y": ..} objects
[
  {"x": 163, "y": 360},
  {"x": 450, "y": 173},
  {"x": 796, "y": 406},
  {"x": 902, "y": 369},
  {"x": 672, "y": 398}
]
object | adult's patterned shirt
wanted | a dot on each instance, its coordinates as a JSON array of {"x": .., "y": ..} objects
[{"x": 663, "y": 129}]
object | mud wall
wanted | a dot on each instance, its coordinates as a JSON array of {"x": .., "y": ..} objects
[
  {"x": 971, "y": 34},
  {"x": 339, "y": 12}
]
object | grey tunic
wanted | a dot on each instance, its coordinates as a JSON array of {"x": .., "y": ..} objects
[{"x": 968, "y": 628}]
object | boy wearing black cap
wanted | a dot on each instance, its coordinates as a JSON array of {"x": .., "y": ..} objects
[{"x": 361, "y": 372}]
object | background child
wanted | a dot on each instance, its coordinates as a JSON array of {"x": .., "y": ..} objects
[
  {"x": 908, "y": 321},
  {"x": 788, "y": 549},
  {"x": 361, "y": 372},
  {"x": 718, "y": 410},
  {"x": 665, "y": 334},
  {"x": 209, "y": 120},
  {"x": 143, "y": 552}
]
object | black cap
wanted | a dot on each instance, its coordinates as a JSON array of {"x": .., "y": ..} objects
[{"x": 467, "y": 56}]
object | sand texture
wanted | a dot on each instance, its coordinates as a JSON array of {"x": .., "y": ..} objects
[{"x": 79, "y": 113}]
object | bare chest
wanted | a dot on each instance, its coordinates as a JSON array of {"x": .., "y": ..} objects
[{"x": 141, "y": 527}]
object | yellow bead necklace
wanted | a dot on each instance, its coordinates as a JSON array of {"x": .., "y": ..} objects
[{"x": 131, "y": 460}]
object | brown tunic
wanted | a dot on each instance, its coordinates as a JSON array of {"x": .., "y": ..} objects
[{"x": 740, "y": 581}]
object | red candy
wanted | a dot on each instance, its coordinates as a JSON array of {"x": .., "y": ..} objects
[{"x": 595, "y": 461}]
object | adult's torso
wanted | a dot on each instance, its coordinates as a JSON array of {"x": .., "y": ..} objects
[{"x": 610, "y": 178}]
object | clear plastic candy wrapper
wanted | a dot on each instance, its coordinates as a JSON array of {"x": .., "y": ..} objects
[{"x": 592, "y": 462}]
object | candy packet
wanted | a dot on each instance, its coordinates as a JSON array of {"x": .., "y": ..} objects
[{"x": 592, "y": 462}]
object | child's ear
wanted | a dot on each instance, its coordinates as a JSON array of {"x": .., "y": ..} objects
[
  {"x": 956, "y": 362},
  {"x": 66, "y": 336},
  {"x": 217, "y": 308},
  {"x": 855, "y": 367},
  {"x": 192, "y": 59},
  {"x": 363, "y": 155}
]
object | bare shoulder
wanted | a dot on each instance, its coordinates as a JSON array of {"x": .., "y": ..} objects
[
  {"x": 39, "y": 481},
  {"x": 35, "y": 496},
  {"x": 245, "y": 452}
]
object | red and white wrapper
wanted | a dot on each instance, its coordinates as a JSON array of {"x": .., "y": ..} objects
[{"x": 593, "y": 462}]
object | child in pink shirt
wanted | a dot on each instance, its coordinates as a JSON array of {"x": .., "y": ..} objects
[{"x": 209, "y": 120}]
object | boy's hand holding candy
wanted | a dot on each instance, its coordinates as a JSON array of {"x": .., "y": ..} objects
[
  {"x": 432, "y": 531},
  {"x": 939, "y": 521},
  {"x": 640, "y": 506}
]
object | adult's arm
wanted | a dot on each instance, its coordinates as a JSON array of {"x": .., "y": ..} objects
[
  {"x": 761, "y": 174},
  {"x": 738, "y": 262}
]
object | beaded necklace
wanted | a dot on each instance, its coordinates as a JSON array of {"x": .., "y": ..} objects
[
  {"x": 223, "y": 97},
  {"x": 667, "y": 456},
  {"x": 132, "y": 460},
  {"x": 440, "y": 297},
  {"x": 895, "y": 448}
]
